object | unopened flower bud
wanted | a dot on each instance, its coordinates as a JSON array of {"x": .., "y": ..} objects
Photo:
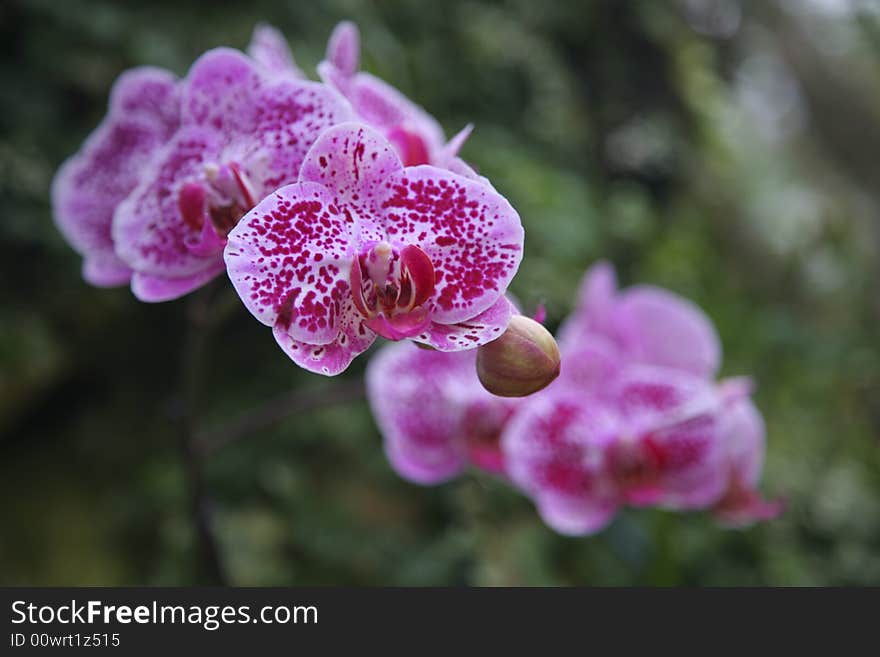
[{"x": 522, "y": 361}]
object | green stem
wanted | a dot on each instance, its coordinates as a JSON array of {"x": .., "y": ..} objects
[{"x": 200, "y": 322}]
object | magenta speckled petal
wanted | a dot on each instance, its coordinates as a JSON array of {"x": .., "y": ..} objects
[
  {"x": 671, "y": 448},
  {"x": 479, "y": 330},
  {"x": 291, "y": 116},
  {"x": 420, "y": 252},
  {"x": 154, "y": 289},
  {"x": 662, "y": 328},
  {"x": 90, "y": 185},
  {"x": 471, "y": 233},
  {"x": 554, "y": 450},
  {"x": 386, "y": 108},
  {"x": 352, "y": 161},
  {"x": 421, "y": 423},
  {"x": 269, "y": 49},
  {"x": 143, "y": 113},
  {"x": 462, "y": 168},
  {"x": 219, "y": 91},
  {"x": 352, "y": 339},
  {"x": 289, "y": 260},
  {"x": 150, "y": 94},
  {"x": 149, "y": 232}
]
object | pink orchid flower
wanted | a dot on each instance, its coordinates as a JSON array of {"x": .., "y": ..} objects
[
  {"x": 244, "y": 132},
  {"x": 636, "y": 418},
  {"x": 653, "y": 439},
  {"x": 434, "y": 416},
  {"x": 416, "y": 135},
  {"x": 362, "y": 245},
  {"x": 144, "y": 113}
]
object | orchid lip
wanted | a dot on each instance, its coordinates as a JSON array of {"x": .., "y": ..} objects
[
  {"x": 636, "y": 466},
  {"x": 214, "y": 206},
  {"x": 390, "y": 288}
]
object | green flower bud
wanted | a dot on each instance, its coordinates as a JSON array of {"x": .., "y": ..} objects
[{"x": 522, "y": 361}]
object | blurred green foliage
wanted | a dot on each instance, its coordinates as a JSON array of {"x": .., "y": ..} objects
[{"x": 725, "y": 150}]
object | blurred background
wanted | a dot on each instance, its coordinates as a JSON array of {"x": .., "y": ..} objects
[{"x": 727, "y": 150}]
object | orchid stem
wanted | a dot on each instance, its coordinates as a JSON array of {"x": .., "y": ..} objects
[
  {"x": 200, "y": 321},
  {"x": 274, "y": 411}
]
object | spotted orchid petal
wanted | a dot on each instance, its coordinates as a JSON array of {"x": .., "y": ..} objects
[
  {"x": 269, "y": 48},
  {"x": 219, "y": 91},
  {"x": 150, "y": 233},
  {"x": 483, "y": 328},
  {"x": 554, "y": 451},
  {"x": 289, "y": 260},
  {"x": 353, "y": 162},
  {"x": 471, "y": 234},
  {"x": 352, "y": 339},
  {"x": 671, "y": 449},
  {"x": 421, "y": 253},
  {"x": 417, "y": 135},
  {"x": 150, "y": 94},
  {"x": 420, "y": 423},
  {"x": 143, "y": 113},
  {"x": 268, "y": 123},
  {"x": 292, "y": 116}
]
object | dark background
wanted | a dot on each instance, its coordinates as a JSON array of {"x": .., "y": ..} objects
[{"x": 729, "y": 151}]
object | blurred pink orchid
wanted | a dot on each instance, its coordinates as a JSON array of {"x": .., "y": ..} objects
[
  {"x": 244, "y": 132},
  {"x": 435, "y": 417},
  {"x": 636, "y": 417},
  {"x": 652, "y": 439},
  {"x": 144, "y": 113}
]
